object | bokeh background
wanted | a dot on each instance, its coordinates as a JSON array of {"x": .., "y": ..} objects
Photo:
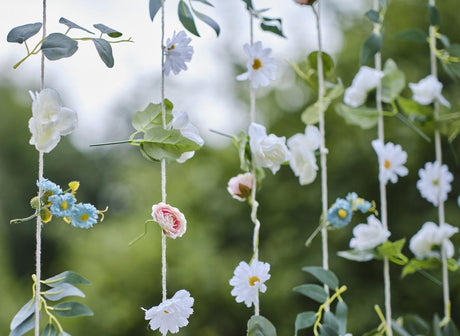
[{"x": 219, "y": 228}]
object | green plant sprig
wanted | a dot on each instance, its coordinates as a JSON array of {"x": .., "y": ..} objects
[{"x": 327, "y": 303}]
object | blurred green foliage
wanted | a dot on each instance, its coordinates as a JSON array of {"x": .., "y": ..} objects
[{"x": 219, "y": 228}]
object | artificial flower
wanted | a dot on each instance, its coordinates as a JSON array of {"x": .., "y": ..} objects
[
  {"x": 358, "y": 203},
  {"x": 427, "y": 90},
  {"x": 434, "y": 182},
  {"x": 391, "y": 161},
  {"x": 240, "y": 186},
  {"x": 261, "y": 67},
  {"x": 340, "y": 213},
  {"x": 61, "y": 205},
  {"x": 48, "y": 187},
  {"x": 302, "y": 156},
  {"x": 365, "y": 80},
  {"x": 432, "y": 236},
  {"x": 170, "y": 219},
  {"x": 177, "y": 52},
  {"x": 305, "y": 2},
  {"x": 249, "y": 280},
  {"x": 181, "y": 122},
  {"x": 50, "y": 120},
  {"x": 370, "y": 235},
  {"x": 269, "y": 151},
  {"x": 84, "y": 215},
  {"x": 171, "y": 314}
]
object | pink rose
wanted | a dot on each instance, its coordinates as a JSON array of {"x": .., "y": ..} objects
[
  {"x": 305, "y": 2},
  {"x": 240, "y": 186},
  {"x": 171, "y": 220}
]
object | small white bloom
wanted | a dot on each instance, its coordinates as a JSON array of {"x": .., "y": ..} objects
[
  {"x": 370, "y": 235},
  {"x": 431, "y": 236},
  {"x": 365, "y": 80},
  {"x": 434, "y": 182},
  {"x": 269, "y": 151},
  {"x": 391, "y": 161},
  {"x": 171, "y": 314},
  {"x": 177, "y": 52},
  {"x": 181, "y": 122},
  {"x": 303, "y": 160},
  {"x": 50, "y": 120},
  {"x": 427, "y": 90},
  {"x": 240, "y": 186},
  {"x": 248, "y": 281},
  {"x": 261, "y": 67}
]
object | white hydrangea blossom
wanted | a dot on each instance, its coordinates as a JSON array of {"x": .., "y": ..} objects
[
  {"x": 261, "y": 67},
  {"x": 365, "y": 80},
  {"x": 177, "y": 53},
  {"x": 434, "y": 182},
  {"x": 428, "y": 90},
  {"x": 391, "y": 161},
  {"x": 370, "y": 235},
  {"x": 432, "y": 236}
]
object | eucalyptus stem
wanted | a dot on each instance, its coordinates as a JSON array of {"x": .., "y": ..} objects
[{"x": 325, "y": 307}]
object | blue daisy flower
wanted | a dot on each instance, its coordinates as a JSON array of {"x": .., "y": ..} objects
[
  {"x": 47, "y": 186},
  {"x": 358, "y": 203},
  {"x": 339, "y": 215},
  {"x": 62, "y": 205},
  {"x": 84, "y": 215}
]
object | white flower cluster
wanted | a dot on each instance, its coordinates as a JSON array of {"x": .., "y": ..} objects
[
  {"x": 431, "y": 236},
  {"x": 365, "y": 80},
  {"x": 369, "y": 236},
  {"x": 427, "y": 91},
  {"x": 434, "y": 182}
]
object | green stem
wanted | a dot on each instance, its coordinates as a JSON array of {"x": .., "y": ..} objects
[
  {"x": 131, "y": 142},
  {"x": 22, "y": 220},
  {"x": 383, "y": 325},
  {"x": 319, "y": 314},
  {"x": 141, "y": 235},
  {"x": 91, "y": 38},
  {"x": 33, "y": 52}
]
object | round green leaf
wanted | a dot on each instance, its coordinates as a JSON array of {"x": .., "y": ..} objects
[
  {"x": 104, "y": 50},
  {"x": 325, "y": 276},
  {"x": 57, "y": 46},
  {"x": 24, "y": 32}
]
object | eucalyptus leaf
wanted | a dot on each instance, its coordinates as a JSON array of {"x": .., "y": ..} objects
[
  {"x": 104, "y": 49},
  {"x": 62, "y": 291},
  {"x": 249, "y": 4},
  {"x": 23, "y": 313},
  {"x": 107, "y": 30},
  {"x": 206, "y": 2},
  {"x": 154, "y": 6},
  {"x": 325, "y": 276},
  {"x": 362, "y": 116},
  {"x": 436, "y": 327},
  {"x": 66, "y": 277},
  {"x": 151, "y": 116},
  {"x": 357, "y": 255},
  {"x": 413, "y": 35},
  {"x": 373, "y": 16},
  {"x": 186, "y": 18},
  {"x": 25, "y": 326},
  {"x": 331, "y": 321},
  {"x": 371, "y": 46},
  {"x": 341, "y": 313},
  {"x": 314, "y": 292},
  {"x": 72, "y": 309},
  {"x": 57, "y": 46},
  {"x": 399, "y": 329},
  {"x": 275, "y": 29},
  {"x": 415, "y": 325},
  {"x": 22, "y": 33},
  {"x": 73, "y": 25},
  {"x": 206, "y": 19},
  {"x": 450, "y": 329},
  {"x": 49, "y": 330},
  {"x": 327, "y": 330},
  {"x": 434, "y": 16},
  {"x": 393, "y": 81},
  {"x": 304, "y": 320},
  {"x": 260, "y": 326}
]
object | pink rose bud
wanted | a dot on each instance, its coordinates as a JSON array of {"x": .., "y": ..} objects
[
  {"x": 171, "y": 220},
  {"x": 305, "y": 2},
  {"x": 240, "y": 186}
]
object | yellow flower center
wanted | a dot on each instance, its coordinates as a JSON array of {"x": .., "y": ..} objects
[
  {"x": 435, "y": 182},
  {"x": 360, "y": 200},
  {"x": 165, "y": 311},
  {"x": 64, "y": 205},
  {"x": 253, "y": 280},
  {"x": 342, "y": 213},
  {"x": 387, "y": 164},
  {"x": 257, "y": 64},
  {"x": 84, "y": 217},
  {"x": 172, "y": 47}
]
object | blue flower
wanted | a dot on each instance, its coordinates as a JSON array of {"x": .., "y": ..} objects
[
  {"x": 84, "y": 215},
  {"x": 49, "y": 187},
  {"x": 339, "y": 215},
  {"x": 62, "y": 205},
  {"x": 358, "y": 203}
]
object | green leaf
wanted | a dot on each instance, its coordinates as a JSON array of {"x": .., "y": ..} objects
[
  {"x": 24, "y": 326},
  {"x": 328, "y": 61},
  {"x": 205, "y": 2},
  {"x": 452, "y": 264},
  {"x": 73, "y": 25},
  {"x": 248, "y": 4},
  {"x": 415, "y": 325},
  {"x": 357, "y": 255},
  {"x": 104, "y": 49},
  {"x": 66, "y": 277},
  {"x": 72, "y": 309},
  {"x": 304, "y": 320},
  {"x": 374, "y": 332},
  {"x": 241, "y": 142},
  {"x": 206, "y": 19},
  {"x": 314, "y": 292},
  {"x": 371, "y": 46},
  {"x": 393, "y": 81},
  {"x": 327, "y": 330},
  {"x": 154, "y": 6},
  {"x": 57, "y": 46},
  {"x": 151, "y": 116},
  {"x": 49, "y": 330},
  {"x": 23, "y": 313},
  {"x": 331, "y": 322},
  {"x": 373, "y": 16},
  {"x": 415, "y": 265},
  {"x": 413, "y": 35},
  {"x": 362, "y": 116},
  {"x": 453, "y": 68},
  {"x": 186, "y": 18},
  {"x": 22, "y": 33},
  {"x": 107, "y": 30},
  {"x": 341, "y": 313},
  {"x": 311, "y": 114},
  {"x": 273, "y": 25},
  {"x": 434, "y": 16},
  {"x": 398, "y": 328},
  {"x": 444, "y": 40},
  {"x": 436, "y": 327},
  {"x": 391, "y": 249},
  {"x": 62, "y": 291},
  {"x": 325, "y": 276},
  {"x": 450, "y": 329},
  {"x": 414, "y": 110},
  {"x": 260, "y": 326}
]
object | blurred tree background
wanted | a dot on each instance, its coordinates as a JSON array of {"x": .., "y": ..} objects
[{"x": 219, "y": 228}]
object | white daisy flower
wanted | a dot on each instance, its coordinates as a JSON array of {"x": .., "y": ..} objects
[
  {"x": 427, "y": 90},
  {"x": 248, "y": 281},
  {"x": 365, "y": 80},
  {"x": 177, "y": 52},
  {"x": 370, "y": 235},
  {"x": 391, "y": 161},
  {"x": 171, "y": 314},
  {"x": 434, "y": 183},
  {"x": 431, "y": 236},
  {"x": 261, "y": 67}
]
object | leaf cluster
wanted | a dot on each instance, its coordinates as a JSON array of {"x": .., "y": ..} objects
[{"x": 273, "y": 25}]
